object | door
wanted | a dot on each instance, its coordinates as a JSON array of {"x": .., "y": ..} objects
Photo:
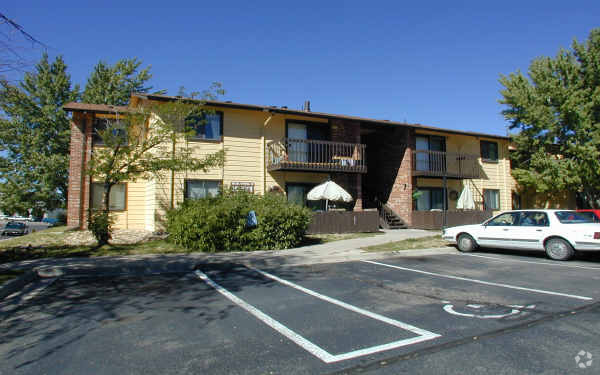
[
  {"x": 422, "y": 157},
  {"x": 499, "y": 231},
  {"x": 297, "y": 147},
  {"x": 532, "y": 228}
]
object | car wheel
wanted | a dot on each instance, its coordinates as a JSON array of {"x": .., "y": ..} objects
[
  {"x": 466, "y": 243},
  {"x": 558, "y": 249}
]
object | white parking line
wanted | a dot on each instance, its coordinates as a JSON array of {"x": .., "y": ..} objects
[
  {"x": 481, "y": 281},
  {"x": 529, "y": 261},
  {"x": 315, "y": 350}
]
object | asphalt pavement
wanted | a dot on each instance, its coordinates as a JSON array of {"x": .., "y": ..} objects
[{"x": 451, "y": 313}]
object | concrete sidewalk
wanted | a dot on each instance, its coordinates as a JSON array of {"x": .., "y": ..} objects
[{"x": 331, "y": 252}]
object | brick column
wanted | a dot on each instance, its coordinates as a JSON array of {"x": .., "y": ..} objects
[
  {"x": 78, "y": 195},
  {"x": 400, "y": 198}
]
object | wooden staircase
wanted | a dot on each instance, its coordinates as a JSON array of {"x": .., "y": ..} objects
[{"x": 388, "y": 219}]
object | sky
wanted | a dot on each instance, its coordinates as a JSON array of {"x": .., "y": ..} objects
[{"x": 435, "y": 63}]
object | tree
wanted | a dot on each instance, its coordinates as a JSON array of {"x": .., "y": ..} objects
[
  {"x": 114, "y": 84},
  {"x": 34, "y": 138},
  {"x": 144, "y": 143},
  {"x": 557, "y": 114}
]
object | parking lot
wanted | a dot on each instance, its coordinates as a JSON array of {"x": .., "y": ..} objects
[
  {"x": 480, "y": 313},
  {"x": 33, "y": 227}
]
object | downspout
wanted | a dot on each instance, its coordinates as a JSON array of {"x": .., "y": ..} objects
[
  {"x": 262, "y": 152},
  {"x": 173, "y": 175}
]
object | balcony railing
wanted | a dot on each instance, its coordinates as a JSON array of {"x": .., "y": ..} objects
[
  {"x": 449, "y": 164},
  {"x": 317, "y": 156}
]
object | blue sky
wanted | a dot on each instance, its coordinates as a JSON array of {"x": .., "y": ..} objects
[{"x": 428, "y": 62}]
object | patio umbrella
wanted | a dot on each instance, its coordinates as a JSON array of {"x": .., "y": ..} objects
[
  {"x": 330, "y": 191},
  {"x": 465, "y": 201}
]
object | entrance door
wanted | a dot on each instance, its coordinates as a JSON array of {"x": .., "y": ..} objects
[{"x": 297, "y": 150}]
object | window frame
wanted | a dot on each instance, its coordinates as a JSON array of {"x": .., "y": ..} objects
[
  {"x": 430, "y": 189},
  {"x": 99, "y": 141},
  {"x": 125, "y": 200},
  {"x": 481, "y": 151},
  {"x": 186, "y": 189},
  {"x": 485, "y": 205},
  {"x": 219, "y": 139}
]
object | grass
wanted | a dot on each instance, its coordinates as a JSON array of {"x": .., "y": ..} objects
[
  {"x": 316, "y": 239},
  {"x": 51, "y": 243},
  {"x": 410, "y": 244},
  {"x": 7, "y": 275}
]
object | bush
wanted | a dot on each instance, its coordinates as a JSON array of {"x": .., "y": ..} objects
[
  {"x": 100, "y": 224},
  {"x": 219, "y": 223}
]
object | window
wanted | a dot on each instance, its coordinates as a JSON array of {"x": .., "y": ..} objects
[
  {"x": 491, "y": 199},
  {"x": 296, "y": 193},
  {"x": 101, "y": 124},
  {"x": 430, "y": 199},
  {"x": 298, "y": 133},
  {"x": 116, "y": 199},
  {"x": 489, "y": 151},
  {"x": 428, "y": 161},
  {"x": 206, "y": 125},
  {"x": 516, "y": 201},
  {"x": 196, "y": 189},
  {"x": 533, "y": 219},
  {"x": 572, "y": 217},
  {"x": 507, "y": 219}
]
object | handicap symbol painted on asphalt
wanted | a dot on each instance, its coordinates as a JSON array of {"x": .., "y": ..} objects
[{"x": 485, "y": 311}]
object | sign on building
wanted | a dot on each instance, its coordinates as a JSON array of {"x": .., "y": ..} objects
[{"x": 246, "y": 186}]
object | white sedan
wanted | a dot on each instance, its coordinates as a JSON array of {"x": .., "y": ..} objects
[{"x": 558, "y": 232}]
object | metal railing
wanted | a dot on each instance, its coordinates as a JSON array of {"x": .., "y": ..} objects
[
  {"x": 449, "y": 164},
  {"x": 314, "y": 155}
]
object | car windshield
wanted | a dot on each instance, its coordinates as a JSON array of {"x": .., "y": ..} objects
[
  {"x": 572, "y": 217},
  {"x": 15, "y": 225}
]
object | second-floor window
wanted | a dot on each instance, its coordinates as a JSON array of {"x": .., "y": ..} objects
[
  {"x": 426, "y": 159},
  {"x": 118, "y": 130},
  {"x": 208, "y": 126},
  {"x": 489, "y": 151}
]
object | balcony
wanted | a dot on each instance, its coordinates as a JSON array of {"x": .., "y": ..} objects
[
  {"x": 448, "y": 164},
  {"x": 316, "y": 156}
]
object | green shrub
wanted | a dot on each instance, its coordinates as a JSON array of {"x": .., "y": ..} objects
[
  {"x": 100, "y": 224},
  {"x": 219, "y": 223}
]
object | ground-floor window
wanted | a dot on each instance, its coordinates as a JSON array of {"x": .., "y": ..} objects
[
  {"x": 116, "y": 200},
  {"x": 430, "y": 198},
  {"x": 491, "y": 199},
  {"x": 296, "y": 193},
  {"x": 196, "y": 189}
]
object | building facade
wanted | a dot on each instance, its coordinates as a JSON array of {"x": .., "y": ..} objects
[{"x": 401, "y": 168}]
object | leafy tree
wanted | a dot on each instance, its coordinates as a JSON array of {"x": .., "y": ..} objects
[
  {"x": 34, "y": 138},
  {"x": 144, "y": 143},
  {"x": 557, "y": 113},
  {"x": 114, "y": 84}
]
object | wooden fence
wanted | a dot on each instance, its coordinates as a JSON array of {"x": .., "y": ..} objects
[
  {"x": 344, "y": 222},
  {"x": 434, "y": 219}
]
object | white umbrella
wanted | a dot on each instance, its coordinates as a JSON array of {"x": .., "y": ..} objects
[
  {"x": 330, "y": 191},
  {"x": 465, "y": 201}
]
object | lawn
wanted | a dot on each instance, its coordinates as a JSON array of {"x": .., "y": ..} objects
[
  {"x": 410, "y": 244},
  {"x": 51, "y": 243}
]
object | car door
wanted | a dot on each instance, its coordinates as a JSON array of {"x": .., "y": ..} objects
[
  {"x": 498, "y": 232},
  {"x": 530, "y": 230}
]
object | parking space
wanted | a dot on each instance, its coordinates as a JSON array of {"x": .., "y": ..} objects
[{"x": 349, "y": 317}]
